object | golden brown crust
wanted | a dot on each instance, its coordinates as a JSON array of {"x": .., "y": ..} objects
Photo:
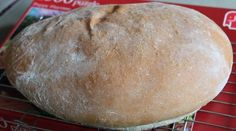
[{"x": 121, "y": 65}]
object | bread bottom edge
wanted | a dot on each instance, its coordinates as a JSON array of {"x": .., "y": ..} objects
[
  {"x": 155, "y": 124},
  {"x": 148, "y": 126}
]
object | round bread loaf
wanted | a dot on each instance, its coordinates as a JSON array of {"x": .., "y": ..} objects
[{"x": 121, "y": 66}]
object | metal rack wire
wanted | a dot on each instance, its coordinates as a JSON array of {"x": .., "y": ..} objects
[{"x": 18, "y": 114}]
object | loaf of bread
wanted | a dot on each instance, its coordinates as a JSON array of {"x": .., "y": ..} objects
[{"x": 134, "y": 66}]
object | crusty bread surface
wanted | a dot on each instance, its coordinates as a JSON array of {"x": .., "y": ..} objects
[{"x": 118, "y": 66}]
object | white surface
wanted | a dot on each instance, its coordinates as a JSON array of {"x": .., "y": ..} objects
[
  {"x": 211, "y": 3},
  {"x": 5, "y": 3}
]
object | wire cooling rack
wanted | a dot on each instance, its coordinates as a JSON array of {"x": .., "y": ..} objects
[{"x": 18, "y": 114}]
